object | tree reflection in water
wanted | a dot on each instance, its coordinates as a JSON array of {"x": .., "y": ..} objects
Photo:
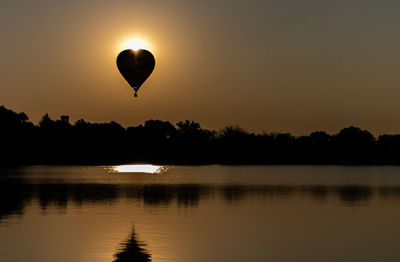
[
  {"x": 132, "y": 251},
  {"x": 16, "y": 193}
]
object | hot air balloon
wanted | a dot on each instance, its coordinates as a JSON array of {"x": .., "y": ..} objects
[{"x": 135, "y": 66}]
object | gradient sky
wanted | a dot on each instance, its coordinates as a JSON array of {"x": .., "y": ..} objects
[{"x": 284, "y": 65}]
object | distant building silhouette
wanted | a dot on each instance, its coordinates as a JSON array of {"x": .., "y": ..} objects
[{"x": 65, "y": 119}]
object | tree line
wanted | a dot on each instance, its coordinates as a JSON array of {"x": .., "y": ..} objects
[{"x": 156, "y": 141}]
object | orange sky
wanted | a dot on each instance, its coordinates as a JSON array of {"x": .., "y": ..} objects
[{"x": 295, "y": 66}]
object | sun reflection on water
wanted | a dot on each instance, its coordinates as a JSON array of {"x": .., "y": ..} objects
[{"x": 149, "y": 169}]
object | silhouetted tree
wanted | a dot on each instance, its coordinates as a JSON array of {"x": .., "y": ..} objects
[
  {"x": 10, "y": 119},
  {"x": 59, "y": 142},
  {"x": 354, "y": 146},
  {"x": 193, "y": 144},
  {"x": 46, "y": 121},
  {"x": 388, "y": 149}
]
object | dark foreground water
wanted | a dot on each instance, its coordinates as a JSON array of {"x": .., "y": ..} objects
[{"x": 200, "y": 213}]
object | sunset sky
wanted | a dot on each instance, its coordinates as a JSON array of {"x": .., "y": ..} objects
[{"x": 275, "y": 66}]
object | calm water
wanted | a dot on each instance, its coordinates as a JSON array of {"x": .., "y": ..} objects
[{"x": 200, "y": 213}]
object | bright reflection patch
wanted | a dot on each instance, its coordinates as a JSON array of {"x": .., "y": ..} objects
[{"x": 149, "y": 169}]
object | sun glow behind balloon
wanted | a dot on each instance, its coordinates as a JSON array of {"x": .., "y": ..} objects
[{"x": 135, "y": 44}]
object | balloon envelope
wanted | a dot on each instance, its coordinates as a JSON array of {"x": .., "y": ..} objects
[{"x": 135, "y": 66}]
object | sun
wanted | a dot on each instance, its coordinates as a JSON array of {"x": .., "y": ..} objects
[{"x": 135, "y": 44}]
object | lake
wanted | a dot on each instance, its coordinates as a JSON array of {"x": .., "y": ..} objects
[{"x": 200, "y": 213}]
